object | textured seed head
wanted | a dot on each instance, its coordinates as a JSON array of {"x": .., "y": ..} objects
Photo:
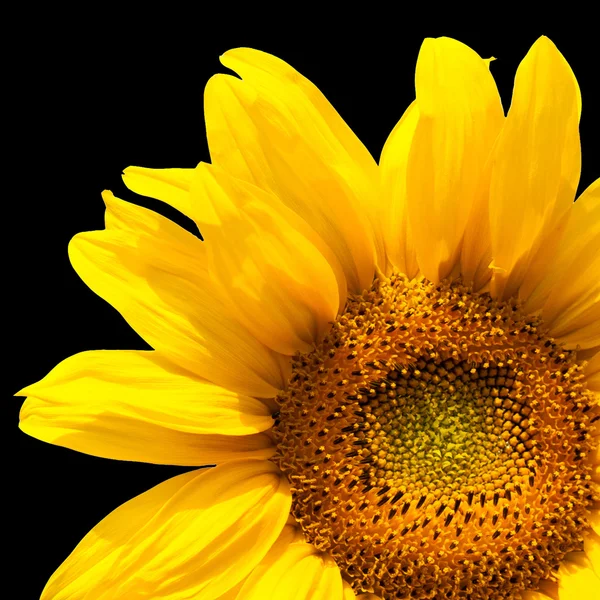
[{"x": 435, "y": 442}]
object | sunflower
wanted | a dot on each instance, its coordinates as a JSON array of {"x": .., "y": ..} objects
[{"x": 395, "y": 368}]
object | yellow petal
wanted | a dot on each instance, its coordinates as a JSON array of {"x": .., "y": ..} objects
[
  {"x": 294, "y": 569},
  {"x": 194, "y": 536},
  {"x": 232, "y": 594},
  {"x": 529, "y": 595},
  {"x": 154, "y": 273},
  {"x": 594, "y": 520},
  {"x": 580, "y": 326},
  {"x": 173, "y": 187},
  {"x": 289, "y": 534},
  {"x": 399, "y": 246},
  {"x": 460, "y": 115},
  {"x": 577, "y": 580},
  {"x": 273, "y": 128},
  {"x": 549, "y": 587},
  {"x": 577, "y": 236},
  {"x": 281, "y": 288},
  {"x": 592, "y": 372},
  {"x": 476, "y": 252},
  {"x": 569, "y": 294},
  {"x": 131, "y": 405},
  {"x": 587, "y": 354},
  {"x": 535, "y": 165},
  {"x": 562, "y": 250},
  {"x": 348, "y": 593},
  {"x": 169, "y": 185},
  {"x": 591, "y": 547}
]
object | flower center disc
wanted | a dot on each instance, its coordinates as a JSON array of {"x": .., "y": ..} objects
[{"x": 434, "y": 442}]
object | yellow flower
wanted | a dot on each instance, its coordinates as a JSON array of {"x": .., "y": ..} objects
[{"x": 395, "y": 367}]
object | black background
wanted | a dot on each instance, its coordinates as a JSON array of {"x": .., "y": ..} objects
[{"x": 92, "y": 98}]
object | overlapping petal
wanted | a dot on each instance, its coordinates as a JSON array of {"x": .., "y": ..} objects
[
  {"x": 397, "y": 235},
  {"x": 196, "y": 535},
  {"x": 529, "y": 595},
  {"x": 535, "y": 164},
  {"x": 275, "y": 129},
  {"x": 131, "y": 405},
  {"x": 348, "y": 593},
  {"x": 594, "y": 520},
  {"x": 576, "y": 577},
  {"x": 591, "y": 547},
  {"x": 171, "y": 186},
  {"x": 294, "y": 570},
  {"x": 568, "y": 296},
  {"x": 460, "y": 115},
  {"x": 279, "y": 285},
  {"x": 592, "y": 371},
  {"x": 154, "y": 273}
]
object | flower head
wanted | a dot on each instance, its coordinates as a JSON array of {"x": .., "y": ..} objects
[{"x": 395, "y": 367}]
